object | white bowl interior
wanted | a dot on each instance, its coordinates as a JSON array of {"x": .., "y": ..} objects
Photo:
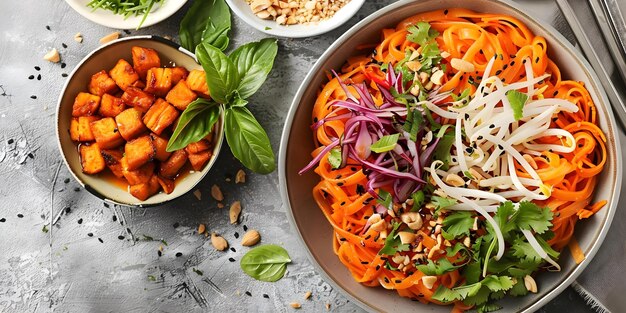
[
  {"x": 243, "y": 10},
  {"x": 297, "y": 144},
  {"x": 108, "y": 19},
  {"x": 105, "y": 58}
]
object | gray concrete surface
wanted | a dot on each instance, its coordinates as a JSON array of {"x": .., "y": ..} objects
[{"x": 118, "y": 269}]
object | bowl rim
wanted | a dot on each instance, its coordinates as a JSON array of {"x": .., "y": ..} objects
[
  {"x": 583, "y": 63},
  {"x": 119, "y": 22},
  {"x": 90, "y": 189},
  {"x": 290, "y": 31}
]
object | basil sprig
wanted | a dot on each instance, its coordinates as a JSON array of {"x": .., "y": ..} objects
[
  {"x": 231, "y": 81},
  {"x": 206, "y": 21}
]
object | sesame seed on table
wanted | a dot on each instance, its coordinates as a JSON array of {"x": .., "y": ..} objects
[{"x": 102, "y": 257}]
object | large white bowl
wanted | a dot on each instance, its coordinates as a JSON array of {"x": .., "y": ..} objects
[
  {"x": 243, "y": 10},
  {"x": 315, "y": 231},
  {"x": 108, "y": 19}
]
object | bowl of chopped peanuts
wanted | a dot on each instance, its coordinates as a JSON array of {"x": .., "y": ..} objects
[{"x": 295, "y": 18}]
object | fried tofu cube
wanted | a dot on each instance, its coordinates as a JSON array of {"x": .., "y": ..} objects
[
  {"x": 106, "y": 134},
  {"x": 160, "y": 145},
  {"x": 90, "y": 159},
  {"x": 111, "y": 106},
  {"x": 197, "y": 82},
  {"x": 129, "y": 123},
  {"x": 179, "y": 73},
  {"x": 139, "y": 152},
  {"x": 176, "y": 161},
  {"x": 144, "y": 59},
  {"x": 80, "y": 128},
  {"x": 197, "y": 147},
  {"x": 166, "y": 184},
  {"x": 101, "y": 83},
  {"x": 180, "y": 96},
  {"x": 123, "y": 74},
  {"x": 160, "y": 116},
  {"x": 137, "y": 98},
  {"x": 113, "y": 160},
  {"x": 199, "y": 160},
  {"x": 85, "y": 104},
  {"x": 159, "y": 81},
  {"x": 138, "y": 176},
  {"x": 146, "y": 190}
]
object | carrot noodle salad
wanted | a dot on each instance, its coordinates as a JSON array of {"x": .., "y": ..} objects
[{"x": 454, "y": 160}]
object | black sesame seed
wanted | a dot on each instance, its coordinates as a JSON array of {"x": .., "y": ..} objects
[
  {"x": 339, "y": 184},
  {"x": 386, "y": 280},
  {"x": 555, "y": 93},
  {"x": 498, "y": 72},
  {"x": 64, "y": 45},
  {"x": 469, "y": 149},
  {"x": 127, "y": 31},
  {"x": 115, "y": 218},
  {"x": 368, "y": 237},
  {"x": 76, "y": 189},
  {"x": 315, "y": 120},
  {"x": 266, "y": 296},
  {"x": 100, "y": 239},
  {"x": 90, "y": 234},
  {"x": 245, "y": 228},
  {"x": 492, "y": 126},
  {"x": 342, "y": 203},
  {"x": 30, "y": 155},
  {"x": 365, "y": 262},
  {"x": 37, "y": 68},
  {"x": 31, "y": 77},
  {"x": 48, "y": 27},
  {"x": 467, "y": 116},
  {"x": 354, "y": 169},
  {"x": 20, "y": 215},
  {"x": 2, "y": 220},
  {"x": 33, "y": 97},
  {"x": 231, "y": 259},
  {"x": 176, "y": 225},
  {"x": 537, "y": 60},
  {"x": 248, "y": 293},
  {"x": 66, "y": 181},
  {"x": 179, "y": 254},
  {"x": 120, "y": 237},
  {"x": 445, "y": 12},
  {"x": 512, "y": 63},
  {"x": 63, "y": 65},
  {"x": 80, "y": 221},
  {"x": 233, "y": 249},
  {"x": 106, "y": 205},
  {"x": 500, "y": 147},
  {"x": 398, "y": 281},
  {"x": 38, "y": 76},
  {"x": 64, "y": 75},
  {"x": 479, "y": 137},
  {"x": 159, "y": 253},
  {"x": 343, "y": 239},
  {"x": 338, "y": 176},
  {"x": 236, "y": 235},
  {"x": 505, "y": 66},
  {"x": 481, "y": 51},
  {"x": 377, "y": 267},
  {"x": 68, "y": 210}
]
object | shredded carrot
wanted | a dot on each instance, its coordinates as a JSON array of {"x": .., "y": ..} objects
[{"x": 476, "y": 38}]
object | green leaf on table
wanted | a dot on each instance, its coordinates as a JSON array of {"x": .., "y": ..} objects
[
  {"x": 266, "y": 263},
  {"x": 248, "y": 140},
  {"x": 206, "y": 21},
  {"x": 385, "y": 143},
  {"x": 195, "y": 123},
  {"x": 254, "y": 61},
  {"x": 221, "y": 73},
  {"x": 334, "y": 158},
  {"x": 517, "y": 100}
]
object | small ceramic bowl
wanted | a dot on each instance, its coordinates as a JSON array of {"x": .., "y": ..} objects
[
  {"x": 105, "y": 57},
  {"x": 109, "y": 19},
  {"x": 243, "y": 10}
]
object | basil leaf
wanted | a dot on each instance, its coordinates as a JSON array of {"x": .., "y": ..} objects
[
  {"x": 221, "y": 74},
  {"x": 266, "y": 263},
  {"x": 254, "y": 61},
  {"x": 206, "y": 21},
  {"x": 385, "y": 143},
  {"x": 195, "y": 123},
  {"x": 248, "y": 141},
  {"x": 334, "y": 158},
  {"x": 517, "y": 100}
]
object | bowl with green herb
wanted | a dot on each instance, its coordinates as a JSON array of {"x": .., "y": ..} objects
[{"x": 126, "y": 14}]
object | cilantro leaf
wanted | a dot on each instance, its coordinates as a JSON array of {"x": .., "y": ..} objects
[
  {"x": 488, "y": 307},
  {"x": 442, "y": 266},
  {"x": 385, "y": 198},
  {"x": 385, "y": 143},
  {"x": 497, "y": 283},
  {"x": 444, "y": 294},
  {"x": 481, "y": 296},
  {"x": 457, "y": 224},
  {"x": 523, "y": 250},
  {"x": 442, "y": 152},
  {"x": 452, "y": 251},
  {"x": 530, "y": 216},
  {"x": 393, "y": 244},
  {"x": 517, "y": 100},
  {"x": 421, "y": 33},
  {"x": 430, "y": 56},
  {"x": 505, "y": 210},
  {"x": 519, "y": 289},
  {"x": 472, "y": 272},
  {"x": 334, "y": 158},
  {"x": 418, "y": 200}
]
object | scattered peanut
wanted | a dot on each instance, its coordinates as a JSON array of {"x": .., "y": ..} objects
[
  {"x": 295, "y": 305},
  {"x": 327, "y": 306},
  {"x": 235, "y": 210},
  {"x": 251, "y": 238},
  {"x": 437, "y": 77},
  {"x": 110, "y": 37},
  {"x": 198, "y": 194},
  {"x": 307, "y": 295},
  {"x": 406, "y": 237},
  {"x": 455, "y": 180},
  {"x": 216, "y": 193},
  {"x": 78, "y": 37},
  {"x": 462, "y": 65},
  {"x": 52, "y": 56},
  {"x": 412, "y": 219},
  {"x": 429, "y": 281},
  {"x": 218, "y": 242},
  {"x": 240, "y": 178},
  {"x": 220, "y": 205},
  {"x": 530, "y": 284},
  {"x": 201, "y": 229}
]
